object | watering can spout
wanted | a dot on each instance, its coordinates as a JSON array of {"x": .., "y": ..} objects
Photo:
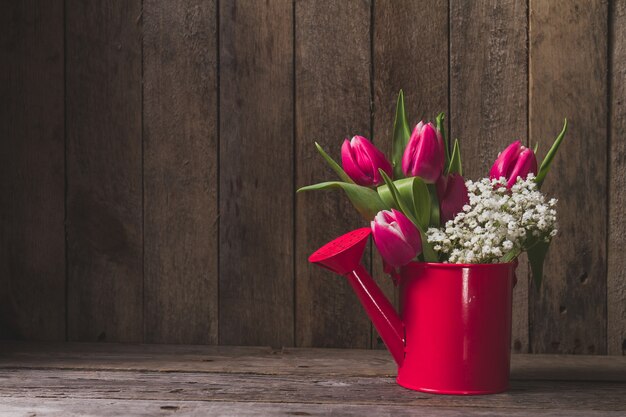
[{"x": 343, "y": 256}]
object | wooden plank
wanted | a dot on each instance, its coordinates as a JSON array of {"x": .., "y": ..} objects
[
  {"x": 286, "y": 361},
  {"x": 256, "y": 173},
  {"x": 32, "y": 209},
  {"x": 104, "y": 177},
  {"x": 568, "y": 78},
  {"x": 332, "y": 102},
  {"x": 116, "y": 407},
  {"x": 527, "y": 395},
  {"x": 616, "y": 277},
  {"x": 488, "y": 101},
  {"x": 180, "y": 171},
  {"x": 397, "y": 53}
]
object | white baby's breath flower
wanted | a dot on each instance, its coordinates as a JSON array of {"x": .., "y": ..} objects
[{"x": 496, "y": 222}]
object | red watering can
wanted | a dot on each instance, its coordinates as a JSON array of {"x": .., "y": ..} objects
[{"x": 453, "y": 335}]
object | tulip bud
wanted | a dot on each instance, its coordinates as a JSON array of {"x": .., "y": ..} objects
[
  {"x": 361, "y": 161},
  {"x": 396, "y": 237},
  {"x": 452, "y": 194},
  {"x": 424, "y": 155},
  {"x": 515, "y": 161}
]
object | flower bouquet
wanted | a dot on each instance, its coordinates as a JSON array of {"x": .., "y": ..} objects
[{"x": 450, "y": 244}]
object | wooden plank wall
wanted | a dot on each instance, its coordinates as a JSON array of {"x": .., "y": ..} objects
[{"x": 151, "y": 150}]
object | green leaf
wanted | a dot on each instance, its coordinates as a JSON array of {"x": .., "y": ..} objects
[
  {"x": 421, "y": 202},
  {"x": 536, "y": 148},
  {"x": 435, "y": 215},
  {"x": 334, "y": 165},
  {"x": 397, "y": 198},
  {"x": 427, "y": 250},
  {"x": 401, "y": 135},
  {"x": 536, "y": 256},
  {"x": 510, "y": 255},
  {"x": 403, "y": 186},
  {"x": 455, "y": 166},
  {"x": 440, "y": 122},
  {"x": 415, "y": 197},
  {"x": 547, "y": 161},
  {"x": 365, "y": 200}
]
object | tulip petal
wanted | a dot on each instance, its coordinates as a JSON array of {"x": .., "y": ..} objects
[
  {"x": 361, "y": 161},
  {"x": 454, "y": 198},
  {"x": 370, "y": 159},
  {"x": 391, "y": 247},
  {"x": 503, "y": 165},
  {"x": 409, "y": 231},
  {"x": 351, "y": 167},
  {"x": 526, "y": 163},
  {"x": 424, "y": 156},
  {"x": 411, "y": 149}
]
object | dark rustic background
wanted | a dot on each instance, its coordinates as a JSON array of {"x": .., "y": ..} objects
[{"x": 150, "y": 151}]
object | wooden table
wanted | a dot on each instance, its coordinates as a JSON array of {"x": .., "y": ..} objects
[{"x": 112, "y": 380}]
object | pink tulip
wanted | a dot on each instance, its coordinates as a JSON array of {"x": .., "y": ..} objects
[
  {"x": 515, "y": 161},
  {"x": 424, "y": 155},
  {"x": 396, "y": 237},
  {"x": 361, "y": 161},
  {"x": 452, "y": 194}
]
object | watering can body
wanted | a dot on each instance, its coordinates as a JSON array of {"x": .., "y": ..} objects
[{"x": 453, "y": 333}]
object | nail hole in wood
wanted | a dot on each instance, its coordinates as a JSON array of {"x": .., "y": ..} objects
[
  {"x": 563, "y": 309},
  {"x": 583, "y": 277}
]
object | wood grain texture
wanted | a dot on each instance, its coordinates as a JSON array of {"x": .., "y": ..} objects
[
  {"x": 616, "y": 274},
  {"x": 416, "y": 61},
  {"x": 568, "y": 78},
  {"x": 332, "y": 103},
  {"x": 256, "y": 173},
  {"x": 180, "y": 171},
  {"x": 488, "y": 101},
  {"x": 104, "y": 175},
  {"x": 524, "y": 395},
  {"x": 32, "y": 207},
  {"x": 69, "y": 407},
  {"x": 284, "y": 361}
]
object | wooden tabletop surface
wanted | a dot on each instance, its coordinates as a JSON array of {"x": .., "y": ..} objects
[{"x": 140, "y": 380}]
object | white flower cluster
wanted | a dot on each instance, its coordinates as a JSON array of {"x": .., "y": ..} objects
[{"x": 498, "y": 223}]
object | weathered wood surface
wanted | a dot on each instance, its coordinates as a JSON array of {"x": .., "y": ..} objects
[
  {"x": 616, "y": 274},
  {"x": 32, "y": 207},
  {"x": 180, "y": 171},
  {"x": 191, "y": 386},
  {"x": 489, "y": 101},
  {"x": 568, "y": 313},
  {"x": 104, "y": 171},
  {"x": 60, "y": 378},
  {"x": 256, "y": 289},
  {"x": 333, "y": 96},
  {"x": 271, "y": 361},
  {"x": 416, "y": 61},
  {"x": 67, "y": 407}
]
